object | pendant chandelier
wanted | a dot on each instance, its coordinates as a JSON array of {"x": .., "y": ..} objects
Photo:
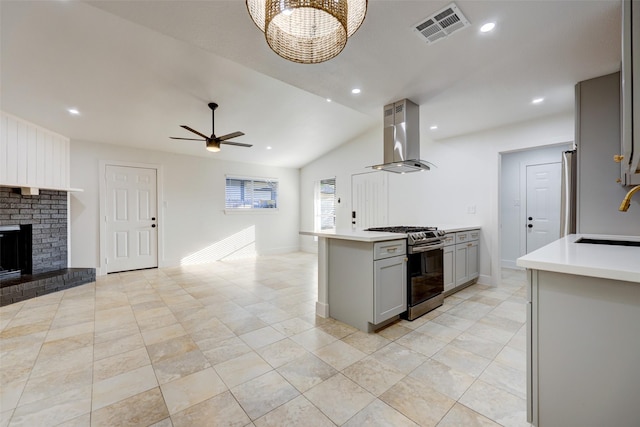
[{"x": 307, "y": 31}]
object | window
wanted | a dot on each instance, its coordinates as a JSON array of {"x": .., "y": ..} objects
[
  {"x": 325, "y": 204},
  {"x": 251, "y": 193}
]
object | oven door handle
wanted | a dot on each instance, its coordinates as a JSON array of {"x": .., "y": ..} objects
[{"x": 419, "y": 249}]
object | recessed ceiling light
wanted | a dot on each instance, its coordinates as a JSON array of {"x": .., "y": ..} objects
[
  {"x": 269, "y": 148},
  {"x": 487, "y": 27},
  {"x": 434, "y": 127},
  {"x": 73, "y": 111},
  {"x": 537, "y": 100},
  {"x": 355, "y": 91},
  {"x": 328, "y": 99}
]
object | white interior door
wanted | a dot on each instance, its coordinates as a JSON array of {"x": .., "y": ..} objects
[
  {"x": 369, "y": 200},
  {"x": 543, "y": 205},
  {"x": 131, "y": 219}
]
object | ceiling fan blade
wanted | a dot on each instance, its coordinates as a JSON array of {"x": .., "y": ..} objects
[
  {"x": 239, "y": 144},
  {"x": 188, "y": 139},
  {"x": 229, "y": 136},
  {"x": 195, "y": 131}
]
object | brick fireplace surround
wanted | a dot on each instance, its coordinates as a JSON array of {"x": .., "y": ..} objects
[{"x": 47, "y": 215}]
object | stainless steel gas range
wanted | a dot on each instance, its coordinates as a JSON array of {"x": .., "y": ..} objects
[{"x": 425, "y": 269}]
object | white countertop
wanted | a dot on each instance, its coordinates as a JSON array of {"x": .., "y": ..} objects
[
  {"x": 374, "y": 236},
  {"x": 586, "y": 259}
]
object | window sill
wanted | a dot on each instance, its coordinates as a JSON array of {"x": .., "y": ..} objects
[{"x": 268, "y": 211}]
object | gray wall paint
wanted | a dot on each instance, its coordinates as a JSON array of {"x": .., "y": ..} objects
[{"x": 598, "y": 140}]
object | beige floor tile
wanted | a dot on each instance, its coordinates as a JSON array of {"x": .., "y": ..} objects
[
  {"x": 10, "y": 394},
  {"x": 5, "y": 417},
  {"x": 477, "y": 345},
  {"x": 337, "y": 328},
  {"x": 151, "y": 323},
  {"x": 56, "y": 347},
  {"x": 471, "y": 310},
  {"x": 462, "y": 360},
  {"x": 339, "y": 398},
  {"x": 180, "y": 366},
  {"x": 123, "y": 386},
  {"x": 220, "y": 411},
  {"x": 366, "y": 342},
  {"x": 74, "y": 328},
  {"x": 120, "y": 363},
  {"x": 313, "y": 339},
  {"x": 81, "y": 421},
  {"x": 221, "y": 351},
  {"x": 55, "y": 383},
  {"x": 163, "y": 423},
  {"x": 292, "y": 326},
  {"x": 394, "y": 331},
  {"x": 26, "y": 329},
  {"x": 504, "y": 377},
  {"x": 245, "y": 324},
  {"x": 68, "y": 361},
  {"x": 379, "y": 414},
  {"x": 339, "y": 354},
  {"x": 455, "y": 322},
  {"x": 421, "y": 343},
  {"x": 171, "y": 348},
  {"x": 417, "y": 401},
  {"x": 441, "y": 332},
  {"x": 155, "y": 336},
  {"x": 460, "y": 416},
  {"x": 263, "y": 394},
  {"x": 142, "y": 409},
  {"x": 306, "y": 372},
  {"x": 116, "y": 346},
  {"x": 281, "y": 352},
  {"x": 399, "y": 357},
  {"x": 296, "y": 412},
  {"x": 491, "y": 333},
  {"x": 54, "y": 410},
  {"x": 192, "y": 389},
  {"x": 261, "y": 337},
  {"x": 443, "y": 378},
  {"x": 242, "y": 369},
  {"x": 513, "y": 357},
  {"x": 373, "y": 375},
  {"x": 496, "y": 404}
]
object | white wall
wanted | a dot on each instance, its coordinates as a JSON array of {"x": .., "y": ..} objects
[
  {"x": 467, "y": 175},
  {"x": 512, "y": 197},
  {"x": 190, "y": 208}
]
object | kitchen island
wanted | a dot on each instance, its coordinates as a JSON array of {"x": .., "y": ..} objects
[
  {"x": 582, "y": 331},
  {"x": 362, "y": 275}
]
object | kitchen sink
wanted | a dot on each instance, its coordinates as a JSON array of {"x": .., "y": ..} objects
[{"x": 609, "y": 242}]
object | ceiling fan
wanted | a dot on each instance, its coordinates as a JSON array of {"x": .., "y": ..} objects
[{"x": 213, "y": 141}]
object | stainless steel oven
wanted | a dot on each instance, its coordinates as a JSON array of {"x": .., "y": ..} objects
[{"x": 425, "y": 268}]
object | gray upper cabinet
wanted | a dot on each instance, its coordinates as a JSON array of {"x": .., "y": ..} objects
[{"x": 630, "y": 90}]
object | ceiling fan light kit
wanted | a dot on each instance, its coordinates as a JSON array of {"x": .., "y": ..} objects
[
  {"x": 213, "y": 142},
  {"x": 307, "y": 31}
]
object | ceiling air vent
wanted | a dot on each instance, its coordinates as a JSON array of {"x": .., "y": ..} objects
[{"x": 441, "y": 24}]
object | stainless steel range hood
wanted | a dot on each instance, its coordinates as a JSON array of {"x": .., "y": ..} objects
[{"x": 402, "y": 138}]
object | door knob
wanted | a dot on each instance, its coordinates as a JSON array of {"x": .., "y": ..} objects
[
  {"x": 530, "y": 218},
  {"x": 530, "y": 225},
  {"x": 153, "y": 219},
  {"x": 153, "y": 226}
]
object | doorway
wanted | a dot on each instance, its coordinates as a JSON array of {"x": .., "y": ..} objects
[
  {"x": 513, "y": 199},
  {"x": 542, "y": 205},
  {"x": 130, "y": 237},
  {"x": 369, "y": 200}
]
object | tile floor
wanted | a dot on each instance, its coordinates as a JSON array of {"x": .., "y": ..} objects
[{"x": 237, "y": 343}]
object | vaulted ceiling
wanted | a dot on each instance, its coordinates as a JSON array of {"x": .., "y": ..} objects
[{"x": 137, "y": 70}]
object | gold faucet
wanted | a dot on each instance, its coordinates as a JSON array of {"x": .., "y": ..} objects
[{"x": 626, "y": 202}]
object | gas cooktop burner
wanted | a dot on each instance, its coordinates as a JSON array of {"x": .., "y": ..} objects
[{"x": 402, "y": 229}]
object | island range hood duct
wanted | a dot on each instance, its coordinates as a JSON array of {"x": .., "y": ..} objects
[{"x": 402, "y": 138}]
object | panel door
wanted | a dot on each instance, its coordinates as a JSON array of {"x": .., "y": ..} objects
[
  {"x": 449, "y": 263},
  {"x": 543, "y": 205},
  {"x": 461, "y": 267},
  {"x": 369, "y": 200},
  {"x": 472, "y": 260},
  {"x": 389, "y": 288},
  {"x": 132, "y": 235}
]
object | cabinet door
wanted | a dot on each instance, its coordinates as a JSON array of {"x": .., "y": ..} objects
[
  {"x": 449, "y": 266},
  {"x": 389, "y": 288},
  {"x": 472, "y": 260},
  {"x": 461, "y": 267}
]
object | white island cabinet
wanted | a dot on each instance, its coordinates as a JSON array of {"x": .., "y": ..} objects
[
  {"x": 583, "y": 346},
  {"x": 362, "y": 277}
]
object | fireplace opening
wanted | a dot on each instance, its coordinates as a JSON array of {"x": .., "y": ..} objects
[{"x": 15, "y": 251}]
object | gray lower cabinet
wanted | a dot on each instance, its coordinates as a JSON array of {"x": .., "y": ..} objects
[
  {"x": 582, "y": 351},
  {"x": 461, "y": 262},
  {"x": 367, "y": 282}
]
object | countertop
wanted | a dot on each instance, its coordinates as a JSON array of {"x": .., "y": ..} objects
[
  {"x": 586, "y": 259},
  {"x": 375, "y": 236}
]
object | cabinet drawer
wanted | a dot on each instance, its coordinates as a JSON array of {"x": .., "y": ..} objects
[
  {"x": 449, "y": 239},
  {"x": 389, "y": 248},
  {"x": 462, "y": 236},
  {"x": 474, "y": 235}
]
